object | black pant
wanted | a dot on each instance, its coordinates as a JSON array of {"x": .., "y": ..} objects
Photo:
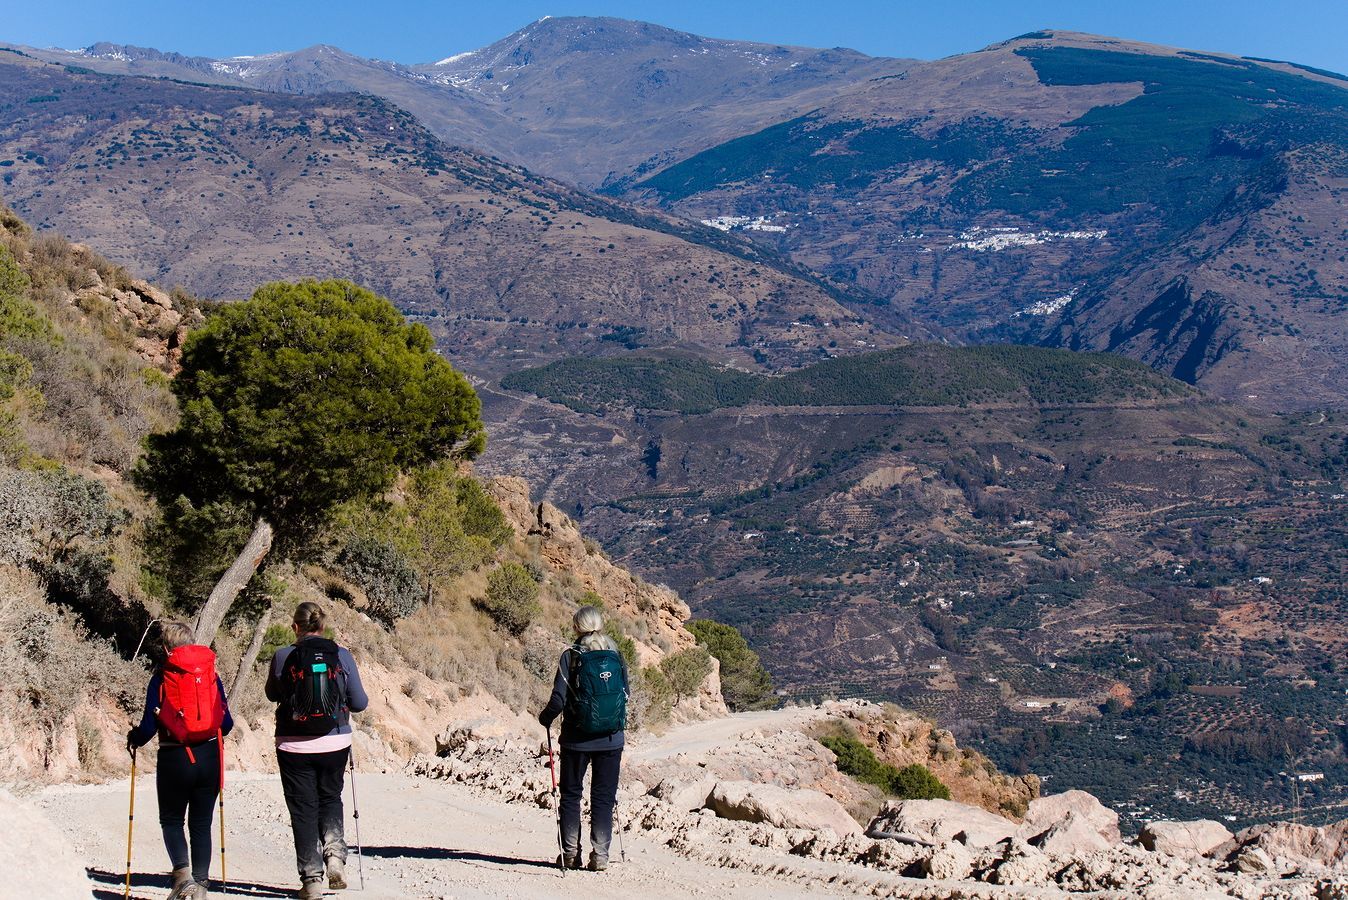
[
  {"x": 312, "y": 783},
  {"x": 603, "y": 795},
  {"x": 189, "y": 789}
]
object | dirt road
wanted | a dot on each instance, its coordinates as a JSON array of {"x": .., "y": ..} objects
[{"x": 423, "y": 839}]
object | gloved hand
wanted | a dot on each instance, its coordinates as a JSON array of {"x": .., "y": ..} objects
[{"x": 131, "y": 744}]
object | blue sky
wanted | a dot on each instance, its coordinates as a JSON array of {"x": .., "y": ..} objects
[{"x": 1313, "y": 32}]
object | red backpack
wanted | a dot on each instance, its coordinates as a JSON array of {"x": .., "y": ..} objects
[{"x": 189, "y": 702}]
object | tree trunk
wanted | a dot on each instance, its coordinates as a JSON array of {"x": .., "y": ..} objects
[
  {"x": 250, "y": 655},
  {"x": 235, "y": 578}
]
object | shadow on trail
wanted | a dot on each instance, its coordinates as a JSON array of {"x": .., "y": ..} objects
[
  {"x": 460, "y": 855},
  {"x": 142, "y": 880}
]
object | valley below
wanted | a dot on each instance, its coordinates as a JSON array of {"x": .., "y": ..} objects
[{"x": 1138, "y": 595}]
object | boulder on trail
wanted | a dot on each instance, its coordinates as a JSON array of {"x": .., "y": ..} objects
[
  {"x": 1285, "y": 847},
  {"x": 745, "y": 801},
  {"x": 937, "y": 821},
  {"x": 1075, "y": 835},
  {"x": 684, "y": 794},
  {"x": 950, "y": 861},
  {"x": 1183, "y": 839},
  {"x": 1045, "y": 812}
]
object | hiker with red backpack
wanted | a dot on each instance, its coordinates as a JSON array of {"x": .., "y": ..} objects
[
  {"x": 185, "y": 706},
  {"x": 316, "y": 687},
  {"x": 589, "y": 692}
]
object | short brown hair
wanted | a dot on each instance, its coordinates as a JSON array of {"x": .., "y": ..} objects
[
  {"x": 174, "y": 634},
  {"x": 310, "y": 618}
]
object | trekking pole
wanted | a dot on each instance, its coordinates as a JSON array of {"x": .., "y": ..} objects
[
  {"x": 355, "y": 814},
  {"x": 220, "y": 746},
  {"x": 130, "y": 818},
  {"x": 561, "y": 847},
  {"x": 617, "y": 823}
]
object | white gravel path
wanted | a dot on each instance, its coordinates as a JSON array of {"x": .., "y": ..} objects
[{"x": 423, "y": 839}]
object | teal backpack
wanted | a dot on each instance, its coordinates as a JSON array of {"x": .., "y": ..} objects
[{"x": 596, "y": 692}]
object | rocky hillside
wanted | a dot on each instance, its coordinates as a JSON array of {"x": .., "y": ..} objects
[
  {"x": 86, "y": 354},
  {"x": 1080, "y": 191},
  {"x": 220, "y": 190}
]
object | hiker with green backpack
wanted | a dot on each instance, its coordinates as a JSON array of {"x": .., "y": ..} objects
[
  {"x": 590, "y": 694},
  {"x": 316, "y": 687},
  {"x": 185, "y": 706}
]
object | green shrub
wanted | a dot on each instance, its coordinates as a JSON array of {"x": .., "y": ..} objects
[
  {"x": 453, "y": 525},
  {"x": 655, "y": 695},
  {"x": 916, "y": 782},
  {"x": 512, "y": 598},
  {"x": 686, "y": 670},
  {"x": 627, "y": 648},
  {"x": 390, "y": 583},
  {"x": 745, "y": 684},
  {"x": 913, "y": 782},
  {"x": 276, "y": 637}
]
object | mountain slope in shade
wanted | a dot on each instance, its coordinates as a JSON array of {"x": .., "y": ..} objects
[
  {"x": 1054, "y": 187},
  {"x": 221, "y": 189},
  {"x": 583, "y": 99}
]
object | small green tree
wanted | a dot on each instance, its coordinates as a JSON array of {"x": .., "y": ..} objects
[
  {"x": 686, "y": 670},
  {"x": 297, "y": 400},
  {"x": 745, "y": 684},
  {"x": 916, "y": 782},
  {"x": 456, "y": 526},
  {"x": 512, "y": 598}
]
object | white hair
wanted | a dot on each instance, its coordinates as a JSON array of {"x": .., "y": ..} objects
[{"x": 589, "y": 624}]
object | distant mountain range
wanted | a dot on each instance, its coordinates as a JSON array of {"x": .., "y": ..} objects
[
  {"x": 221, "y": 189},
  {"x": 1183, "y": 208},
  {"x": 587, "y": 100}
]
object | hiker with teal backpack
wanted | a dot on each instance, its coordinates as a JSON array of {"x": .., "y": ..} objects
[
  {"x": 185, "y": 706},
  {"x": 590, "y": 694},
  {"x": 316, "y": 687}
]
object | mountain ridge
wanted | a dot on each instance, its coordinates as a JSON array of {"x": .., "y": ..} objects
[{"x": 312, "y": 185}]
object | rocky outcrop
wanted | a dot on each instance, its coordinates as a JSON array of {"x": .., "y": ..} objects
[
  {"x": 1284, "y": 848},
  {"x": 744, "y": 801},
  {"x": 1184, "y": 839},
  {"x": 1073, "y": 835},
  {"x": 902, "y": 738},
  {"x": 941, "y": 821},
  {"x": 1046, "y": 812},
  {"x": 156, "y": 325}
]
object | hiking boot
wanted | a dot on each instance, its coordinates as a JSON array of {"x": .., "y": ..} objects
[
  {"x": 180, "y": 876},
  {"x": 597, "y": 863},
  {"x": 569, "y": 862},
  {"x": 189, "y": 890},
  {"x": 312, "y": 889},
  {"x": 336, "y": 873}
]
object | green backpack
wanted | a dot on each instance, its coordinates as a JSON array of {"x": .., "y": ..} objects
[{"x": 596, "y": 692}]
